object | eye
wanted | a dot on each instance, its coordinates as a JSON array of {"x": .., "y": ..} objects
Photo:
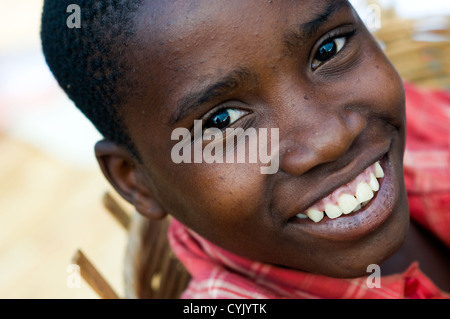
[
  {"x": 327, "y": 50},
  {"x": 223, "y": 118}
]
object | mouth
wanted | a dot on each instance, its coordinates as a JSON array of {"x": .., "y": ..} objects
[
  {"x": 354, "y": 209},
  {"x": 349, "y": 198}
]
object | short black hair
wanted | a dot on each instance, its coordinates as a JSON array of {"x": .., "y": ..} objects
[{"x": 90, "y": 62}]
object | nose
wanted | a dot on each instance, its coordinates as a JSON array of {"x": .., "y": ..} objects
[{"x": 328, "y": 137}]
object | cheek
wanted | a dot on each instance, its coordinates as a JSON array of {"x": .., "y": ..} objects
[
  {"x": 390, "y": 89},
  {"x": 386, "y": 86},
  {"x": 377, "y": 88},
  {"x": 212, "y": 197}
]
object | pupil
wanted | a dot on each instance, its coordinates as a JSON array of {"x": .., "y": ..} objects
[
  {"x": 326, "y": 51},
  {"x": 219, "y": 120}
]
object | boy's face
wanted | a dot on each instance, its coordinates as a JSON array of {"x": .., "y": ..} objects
[{"x": 308, "y": 68}]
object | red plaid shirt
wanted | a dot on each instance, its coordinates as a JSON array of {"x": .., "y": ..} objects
[
  {"x": 217, "y": 273},
  {"x": 427, "y": 159}
]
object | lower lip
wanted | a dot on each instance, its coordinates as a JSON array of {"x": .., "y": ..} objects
[{"x": 363, "y": 222}]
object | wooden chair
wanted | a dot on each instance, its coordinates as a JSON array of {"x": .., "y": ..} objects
[{"x": 151, "y": 270}]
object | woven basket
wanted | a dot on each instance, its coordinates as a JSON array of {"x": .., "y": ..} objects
[
  {"x": 152, "y": 271},
  {"x": 424, "y": 63}
]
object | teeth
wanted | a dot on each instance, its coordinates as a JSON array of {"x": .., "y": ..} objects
[
  {"x": 315, "y": 215},
  {"x": 347, "y": 203},
  {"x": 379, "y": 173},
  {"x": 333, "y": 211},
  {"x": 374, "y": 183},
  {"x": 364, "y": 192}
]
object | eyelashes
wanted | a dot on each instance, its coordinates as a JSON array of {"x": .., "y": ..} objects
[{"x": 330, "y": 47}]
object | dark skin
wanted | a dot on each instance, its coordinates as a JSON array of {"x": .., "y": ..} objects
[{"x": 335, "y": 117}]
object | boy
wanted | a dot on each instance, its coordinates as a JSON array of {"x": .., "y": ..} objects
[{"x": 309, "y": 69}]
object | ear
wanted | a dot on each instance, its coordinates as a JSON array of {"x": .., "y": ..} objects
[{"x": 126, "y": 175}]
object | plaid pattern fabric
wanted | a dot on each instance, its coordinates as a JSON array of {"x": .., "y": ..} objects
[
  {"x": 427, "y": 159},
  {"x": 220, "y": 274}
]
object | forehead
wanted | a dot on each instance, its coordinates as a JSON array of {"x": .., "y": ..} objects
[{"x": 178, "y": 26}]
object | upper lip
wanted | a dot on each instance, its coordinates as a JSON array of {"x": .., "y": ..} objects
[{"x": 344, "y": 175}]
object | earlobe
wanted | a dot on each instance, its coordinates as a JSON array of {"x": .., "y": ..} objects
[
  {"x": 123, "y": 172},
  {"x": 148, "y": 206}
]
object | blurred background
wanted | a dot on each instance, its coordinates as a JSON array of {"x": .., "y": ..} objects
[{"x": 50, "y": 186}]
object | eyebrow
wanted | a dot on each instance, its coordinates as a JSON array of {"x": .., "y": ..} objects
[
  {"x": 303, "y": 31},
  {"x": 232, "y": 81}
]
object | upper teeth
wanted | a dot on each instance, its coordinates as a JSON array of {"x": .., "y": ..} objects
[
  {"x": 347, "y": 203},
  {"x": 362, "y": 191}
]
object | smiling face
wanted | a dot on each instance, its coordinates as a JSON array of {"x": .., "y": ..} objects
[{"x": 308, "y": 68}]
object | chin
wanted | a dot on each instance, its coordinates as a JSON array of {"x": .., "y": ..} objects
[{"x": 381, "y": 246}]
